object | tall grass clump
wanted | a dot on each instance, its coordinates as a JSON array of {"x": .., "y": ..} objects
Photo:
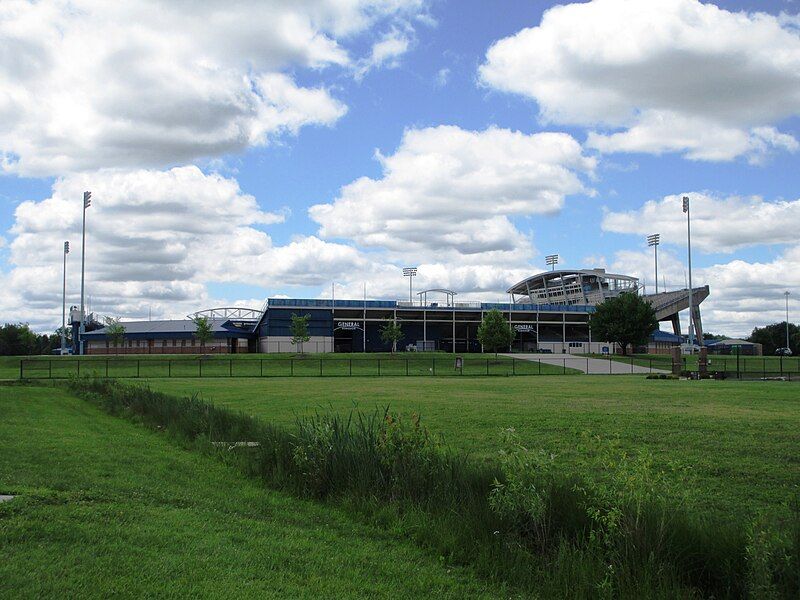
[{"x": 612, "y": 525}]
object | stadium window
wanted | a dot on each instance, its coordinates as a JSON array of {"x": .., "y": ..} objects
[
  {"x": 138, "y": 343},
  {"x": 130, "y": 343},
  {"x": 174, "y": 343},
  {"x": 183, "y": 343},
  {"x": 163, "y": 343}
]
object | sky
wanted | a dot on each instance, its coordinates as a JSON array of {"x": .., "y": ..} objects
[{"x": 248, "y": 149}]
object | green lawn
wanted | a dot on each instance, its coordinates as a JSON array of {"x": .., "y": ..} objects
[
  {"x": 280, "y": 365},
  {"x": 740, "y": 439},
  {"x": 106, "y": 508}
]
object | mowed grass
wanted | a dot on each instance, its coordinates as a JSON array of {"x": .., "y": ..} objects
[
  {"x": 106, "y": 508},
  {"x": 273, "y": 365},
  {"x": 740, "y": 440}
]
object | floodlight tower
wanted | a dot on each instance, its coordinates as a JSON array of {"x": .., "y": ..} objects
[
  {"x": 64, "y": 303},
  {"x": 653, "y": 241},
  {"x": 551, "y": 260},
  {"x": 786, "y": 293},
  {"x": 87, "y": 202},
  {"x": 689, "y": 253},
  {"x": 410, "y": 272}
]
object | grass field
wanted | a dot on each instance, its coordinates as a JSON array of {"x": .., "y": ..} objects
[
  {"x": 273, "y": 365},
  {"x": 739, "y": 439},
  {"x": 107, "y": 508}
]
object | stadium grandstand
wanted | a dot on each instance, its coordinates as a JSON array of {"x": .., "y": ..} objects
[{"x": 550, "y": 312}]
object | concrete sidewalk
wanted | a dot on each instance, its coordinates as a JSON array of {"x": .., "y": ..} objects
[{"x": 590, "y": 366}]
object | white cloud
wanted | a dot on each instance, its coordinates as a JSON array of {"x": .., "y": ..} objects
[
  {"x": 672, "y": 75},
  {"x": 718, "y": 224},
  {"x": 449, "y": 192},
  {"x": 154, "y": 240},
  {"x": 442, "y": 77},
  {"x": 86, "y": 84},
  {"x": 385, "y": 53}
]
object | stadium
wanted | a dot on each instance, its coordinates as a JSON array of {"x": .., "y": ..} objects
[{"x": 549, "y": 311}]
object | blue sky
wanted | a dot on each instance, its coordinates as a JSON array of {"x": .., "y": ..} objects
[{"x": 293, "y": 149}]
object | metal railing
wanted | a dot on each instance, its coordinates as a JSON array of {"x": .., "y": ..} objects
[{"x": 417, "y": 365}]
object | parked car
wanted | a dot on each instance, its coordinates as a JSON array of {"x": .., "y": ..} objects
[{"x": 783, "y": 352}]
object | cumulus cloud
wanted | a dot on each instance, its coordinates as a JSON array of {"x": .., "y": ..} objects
[
  {"x": 451, "y": 192},
  {"x": 658, "y": 76},
  {"x": 155, "y": 239},
  {"x": 718, "y": 224},
  {"x": 87, "y": 84}
]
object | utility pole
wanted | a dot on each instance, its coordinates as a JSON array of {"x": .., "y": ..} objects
[
  {"x": 64, "y": 303},
  {"x": 87, "y": 202},
  {"x": 689, "y": 252}
]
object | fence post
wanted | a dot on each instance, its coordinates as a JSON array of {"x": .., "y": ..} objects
[
  {"x": 379, "y": 367},
  {"x": 565, "y": 366},
  {"x": 230, "y": 367},
  {"x": 200, "y": 362},
  {"x": 487, "y": 366},
  {"x": 351, "y": 366},
  {"x": 434, "y": 365},
  {"x": 49, "y": 369},
  {"x": 406, "y": 367},
  {"x": 320, "y": 367},
  {"x": 513, "y": 366},
  {"x": 137, "y": 368},
  {"x": 21, "y": 362},
  {"x": 106, "y": 368},
  {"x": 169, "y": 367},
  {"x": 291, "y": 366},
  {"x": 79, "y": 367},
  {"x": 540, "y": 366},
  {"x": 631, "y": 364},
  {"x": 261, "y": 367}
]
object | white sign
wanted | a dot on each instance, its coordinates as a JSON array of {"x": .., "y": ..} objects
[
  {"x": 524, "y": 327},
  {"x": 348, "y": 325}
]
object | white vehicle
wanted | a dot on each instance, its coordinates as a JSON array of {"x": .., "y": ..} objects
[{"x": 783, "y": 352}]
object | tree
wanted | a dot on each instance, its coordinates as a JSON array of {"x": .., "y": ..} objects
[
  {"x": 392, "y": 333},
  {"x": 115, "y": 331},
  {"x": 17, "y": 339},
  {"x": 203, "y": 330},
  {"x": 299, "y": 329},
  {"x": 627, "y": 319},
  {"x": 495, "y": 332},
  {"x": 772, "y": 337}
]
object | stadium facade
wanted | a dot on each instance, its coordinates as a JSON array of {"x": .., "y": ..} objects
[{"x": 550, "y": 312}]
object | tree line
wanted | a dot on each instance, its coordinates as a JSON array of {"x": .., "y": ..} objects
[{"x": 18, "y": 339}]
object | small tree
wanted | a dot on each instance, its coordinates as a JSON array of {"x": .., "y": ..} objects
[
  {"x": 626, "y": 319},
  {"x": 115, "y": 331},
  {"x": 494, "y": 332},
  {"x": 299, "y": 329},
  {"x": 391, "y": 332},
  {"x": 203, "y": 332}
]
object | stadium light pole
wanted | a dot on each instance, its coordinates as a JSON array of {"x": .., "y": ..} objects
[
  {"x": 653, "y": 241},
  {"x": 410, "y": 272},
  {"x": 551, "y": 260},
  {"x": 689, "y": 252},
  {"x": 87, "y": 202},
  {"x": 786, "y": 293},
  {"x": 64, "y": 302}
]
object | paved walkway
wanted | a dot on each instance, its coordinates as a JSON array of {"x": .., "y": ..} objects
[{"x": 591, "y": 366}]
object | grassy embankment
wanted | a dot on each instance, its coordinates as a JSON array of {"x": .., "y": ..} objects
[{"x": 106, "y": 508}]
